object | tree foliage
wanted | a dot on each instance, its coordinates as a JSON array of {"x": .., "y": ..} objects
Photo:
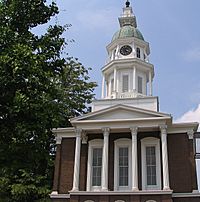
[{"x": 39, "y": 90}]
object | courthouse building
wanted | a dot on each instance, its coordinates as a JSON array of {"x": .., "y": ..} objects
[{"x": 125, "y": 150}]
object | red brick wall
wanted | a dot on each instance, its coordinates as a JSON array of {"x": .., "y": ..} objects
[
  {"x": 83, "y": 167},
  {"x": 181, "y": 162},
  {"x": 67, "y": 165},
  {"x": 182, "y": 171}
]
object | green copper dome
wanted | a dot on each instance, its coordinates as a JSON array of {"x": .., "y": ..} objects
[{"x": 127, "y": 31}]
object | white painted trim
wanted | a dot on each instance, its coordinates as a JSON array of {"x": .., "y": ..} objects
[
  {"x": 151, "y": 141},
  {"x": 122, "y": 142},
  {"x": 96, "y": 143},
  {"x": 111, "y": 193}
]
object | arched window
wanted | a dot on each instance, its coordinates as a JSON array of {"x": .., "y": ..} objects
[
  {"x": 138, "y": 52},
  {"x": 88, "y": 201},
  {"x": 150, "y": 201},
  {"x": 94, "y": 169},
  {"x": 151, "y": 168},
  {"x": 122, "y": 172}
]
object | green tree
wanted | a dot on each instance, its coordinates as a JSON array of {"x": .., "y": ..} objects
[{"x": 39, "y": 90}]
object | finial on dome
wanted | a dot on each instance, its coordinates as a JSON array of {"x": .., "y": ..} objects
[{"x": 127, "y": 3}]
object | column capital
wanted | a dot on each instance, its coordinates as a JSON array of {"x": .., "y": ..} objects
[
  {"x": 190, "y": 134},
  {"x": 134, "y": 130},
  {"x": 84, "y": 138},
  {"x": 58, "y": 139},
  {"x": 106, "y": 130},
  {"x": 163, "y": 129},
  {"x": 78, "y": 132}
]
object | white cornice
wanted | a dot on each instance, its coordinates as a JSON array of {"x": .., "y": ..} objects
[
  {"x": 189, "y": 128},
  {"x": 121, "y": 120},
  {"x": 119, "y": 106},
  {"x": 126, "y": 63},
  {"x": 139, "y": 42}
]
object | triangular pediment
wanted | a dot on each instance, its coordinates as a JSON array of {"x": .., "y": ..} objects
[{"x": 121, "y": 112}]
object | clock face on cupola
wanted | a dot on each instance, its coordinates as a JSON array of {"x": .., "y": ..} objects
[{"x": 126, "y": 50}]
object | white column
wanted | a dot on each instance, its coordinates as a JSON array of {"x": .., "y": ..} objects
[
  {"x": 134, "y": 78},
  {"x": 134, "y": 159},
  {"x": 105, "y": 159},
  {"x": 115, "y": 80},
  {"x": 103, "y": 87},
  {"x": 77, "y": 160},
  {"x": 150, "y": 84},
  {"x": 165, "y": 158}
]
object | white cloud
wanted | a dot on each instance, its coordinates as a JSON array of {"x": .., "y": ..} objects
[
  {"x": 195, "y": 97},
  {"x": 191, "y": 116},
  {"x": 98, "y": 19},
  {"x": 192, "y": 54}
]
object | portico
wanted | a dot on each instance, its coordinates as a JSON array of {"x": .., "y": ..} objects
[{"x": 133, "y": 127}]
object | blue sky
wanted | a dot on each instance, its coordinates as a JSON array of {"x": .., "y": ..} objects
[{"x": 172, "y": 29}]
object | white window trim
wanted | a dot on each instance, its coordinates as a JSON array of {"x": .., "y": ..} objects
[
  {"x": 96, "y": 143},
  {"x": 151, "y": 141},
  {"x": 122, "y": 142}
]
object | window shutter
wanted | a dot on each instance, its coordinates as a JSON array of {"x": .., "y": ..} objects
[
  {"x": 112, "y": 85},
  {"x": 125, "y": 81},
  {"x": 139, "y": 84}
]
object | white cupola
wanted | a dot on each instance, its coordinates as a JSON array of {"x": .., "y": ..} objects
[{"x": 127, "y": 72}]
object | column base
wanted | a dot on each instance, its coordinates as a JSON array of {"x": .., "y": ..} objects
[
  {"x": 74, "y": 190},
  {"x": 54, "y": 193},
  {"x": 135, "y": 189},
  {"x": 166, "y": 189}
]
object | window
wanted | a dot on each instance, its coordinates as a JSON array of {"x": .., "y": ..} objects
[
  {"x": 96, "y": 166},
  {"x": 151, "y": 165},
  {"x": 112, "y": 86},
  {"x": 94, "y": 169},
  {"x": 151, "y": 174},
  {"x": 125, "y": 81},
  {"x": 122, "y": 172},
  {"x": 114, "y": 54},
  {"x": 123, "y": 166},
  {"x": 139, "y": 84},
  {"x": 138, "y": 52}
]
